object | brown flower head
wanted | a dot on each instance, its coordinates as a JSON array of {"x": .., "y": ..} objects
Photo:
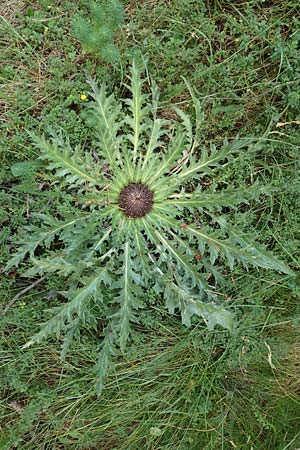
[{"x": 136, "y": 200}]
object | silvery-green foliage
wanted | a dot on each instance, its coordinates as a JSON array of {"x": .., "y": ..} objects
[{"x": 110, "y": 253}]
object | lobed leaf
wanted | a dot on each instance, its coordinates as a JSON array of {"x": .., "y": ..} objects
[
  {"x": 247, "y": 252},
  {"x": 74, "y": 166},
  {"x": 211, "y": 159},
  {"x": 77, "y": 307},
  {"x": 38, "y": 237},
  {"x": 179, "y": 296},
  {"x": 139, "y": 110},
  {"x": 108, "y": 124},
  {"x": 213, "y": 200},
  {"x": 127, "y": 297}
]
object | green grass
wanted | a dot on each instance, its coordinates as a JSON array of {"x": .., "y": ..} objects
[{"x": 176, "y": 388}]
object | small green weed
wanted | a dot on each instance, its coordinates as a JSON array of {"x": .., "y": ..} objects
[{"x": 96, "y": 34}]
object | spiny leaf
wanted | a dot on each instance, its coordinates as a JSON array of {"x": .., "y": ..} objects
[
  {"x": 139, "y": 110},
  {"x": 37, "y": 237},
  {"x": 248, "y": 252},
  {"x": 157, "y": 131},
  {"x": 211, "y": 159},
  {"x": 163, "y": 163},
  {"x": 107, "y": 113},
  {"x": 141, "y": 252},
  {"x": 57, "y": 264},
  {"x": 228, "y": 197},
  {"x": 179, "y": 296},
  {"x": 74, "y": 166},
  {"x": 211, "y": 313},
  {"x": 98, "y": 244},
  {"x": 127, "y": 297},
  {"x": 181, "y": 260},
  {"x": 77, "y": 306}
]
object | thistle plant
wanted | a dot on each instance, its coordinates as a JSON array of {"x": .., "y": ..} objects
[{"x": 140, "y": 227}]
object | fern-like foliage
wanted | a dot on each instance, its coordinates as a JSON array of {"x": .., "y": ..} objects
[
  {"x": 135, "y": 233},
  {"x": 96, "y": 33}
]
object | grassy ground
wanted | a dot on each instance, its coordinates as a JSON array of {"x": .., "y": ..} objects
[{"x": 176, "y": 388}]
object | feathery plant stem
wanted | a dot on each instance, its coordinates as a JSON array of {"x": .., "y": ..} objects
[{"x": 96, "y": 33}]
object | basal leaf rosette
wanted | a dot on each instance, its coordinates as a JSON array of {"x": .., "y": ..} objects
[{"x": 139, "y": 228}]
